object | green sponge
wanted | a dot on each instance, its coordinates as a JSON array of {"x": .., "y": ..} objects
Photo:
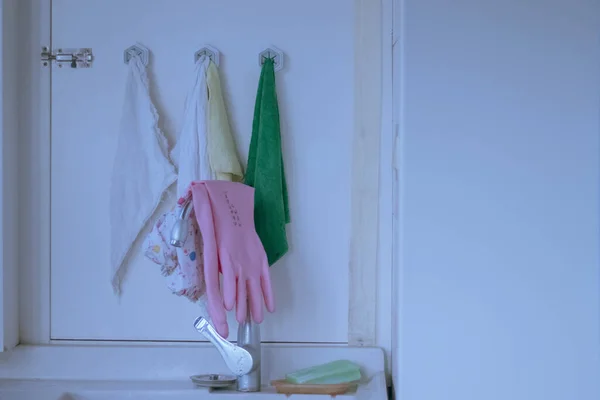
[{"x": 340, "y": 371}]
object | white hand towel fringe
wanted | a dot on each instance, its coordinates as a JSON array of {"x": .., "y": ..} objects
[{"x": 141, "y": 171}]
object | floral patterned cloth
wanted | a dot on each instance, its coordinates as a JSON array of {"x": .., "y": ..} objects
[{"x": 182, "y": 266}]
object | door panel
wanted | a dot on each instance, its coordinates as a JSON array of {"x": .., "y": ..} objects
[{"x": 316, "y": 100}]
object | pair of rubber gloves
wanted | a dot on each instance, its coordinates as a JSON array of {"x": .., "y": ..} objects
[{"x": 225, "y": 214}]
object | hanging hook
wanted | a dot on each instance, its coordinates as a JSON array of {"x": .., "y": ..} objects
[
  {"x": 209, "y": 52},
  {"x": 274, "y": 54},
  {"x": 139, "y": 50}
]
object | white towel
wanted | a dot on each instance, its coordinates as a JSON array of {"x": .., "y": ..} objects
[
  {"x": 183, "y": 266},
  {"x": 141, "y": 172},
  {"x": 191, "y": 151}
]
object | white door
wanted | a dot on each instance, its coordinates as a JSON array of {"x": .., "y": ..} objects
[{"x": 316, "y": 102}]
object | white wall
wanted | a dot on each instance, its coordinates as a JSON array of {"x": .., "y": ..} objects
[
  {"x": 9, "y": 123},
  {"x": 499, "y": 258}
]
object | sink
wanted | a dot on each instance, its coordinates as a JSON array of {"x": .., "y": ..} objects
[
  {"x": 372, "y": 389},
  {"x": 161, "y": 372},
  {"x": 97, "y": 390}
]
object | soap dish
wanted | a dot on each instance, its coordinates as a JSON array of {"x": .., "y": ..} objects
[
  {"x": 283, "y": 386},
  {"x": 213, "y": 380}
]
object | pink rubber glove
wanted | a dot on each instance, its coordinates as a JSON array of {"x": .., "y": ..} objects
[{"x": 225, "y": 214}]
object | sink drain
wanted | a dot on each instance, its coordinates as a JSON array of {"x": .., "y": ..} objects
[{"x": 213, "y": 380}]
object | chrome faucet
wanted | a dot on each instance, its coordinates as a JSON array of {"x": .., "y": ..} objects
[
  {"x": 242, "y": 359},
  {"x": 179, "y": 232}
]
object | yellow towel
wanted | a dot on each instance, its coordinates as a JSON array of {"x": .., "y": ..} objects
[{"x": 222, "y": 153}]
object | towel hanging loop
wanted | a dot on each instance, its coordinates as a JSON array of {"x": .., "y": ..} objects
[
  {"x": 210, "y": 52},
  {"x": 273, "y": 53}
]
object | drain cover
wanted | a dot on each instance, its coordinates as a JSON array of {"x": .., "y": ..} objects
[{"x": 213, "y": 380}]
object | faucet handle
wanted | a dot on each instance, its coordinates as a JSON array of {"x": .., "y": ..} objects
[
  {"x": 179, "y": 232},
  {"x": 238, "y": 359}
]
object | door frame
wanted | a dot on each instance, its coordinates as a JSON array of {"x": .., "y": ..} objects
[
  {"x": 372, "y": 244},
  {"x": 11, "y": 116}
]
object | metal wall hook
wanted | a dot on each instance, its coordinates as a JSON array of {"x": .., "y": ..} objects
[
  {"x": 209, "y": 52},
  {"x": 273, "y": 53},
  {"x": 139, "y": 50}
]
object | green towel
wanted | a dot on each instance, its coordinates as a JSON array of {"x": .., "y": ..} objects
[{"x": 265, "y": 172}]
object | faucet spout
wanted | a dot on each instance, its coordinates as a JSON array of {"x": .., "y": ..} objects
[{"x": 243, "y": 359}]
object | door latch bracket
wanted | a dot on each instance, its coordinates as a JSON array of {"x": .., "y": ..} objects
[{"x": 74, "y": 58}]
